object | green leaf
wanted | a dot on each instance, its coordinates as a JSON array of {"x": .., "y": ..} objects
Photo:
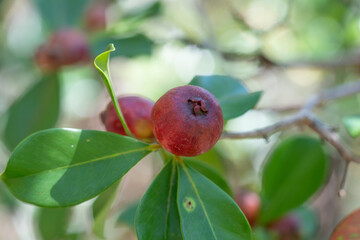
[
  {"x": 309, "y": 222},
  {"x": 127, "y": 216},
  {"x": 211, "y": 173},
  {"x": 64, "y": 167},
  {"x": 59, "y": 14},
  {"x": 236, "y": 105},
  {"x": 101, "y": 63},
  {"x": 101, "y": 208},
  {"x": 213, "y": 159},
  {"x": 295, "y": 170},
  {"x": 206, "y": 211},
  {"x": 38, "y": 109},
  {"x": 157, "y": 216},
  {"x": 131, "y": 22},
  {"x": 53, "y": 222},
  {"x": 234, "y": 98},
  {"x": 129, "y": 46},
  {"x": 352, "y": 125},
  {"x": 146, "y": 12},
  {"x": 260, "y": 233},
  {"x": 74, "y": 236}
]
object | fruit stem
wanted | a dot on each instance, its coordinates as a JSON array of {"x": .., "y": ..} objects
[
  {"x": 154, "y": 147},
  {"x": 121, "y": 116},
  {"x": 179, "y": 159}
]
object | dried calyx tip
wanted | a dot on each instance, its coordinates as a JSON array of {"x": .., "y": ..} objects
[
  {"x": 342, "y": 193},
  {"x": 198, "y": 106}
]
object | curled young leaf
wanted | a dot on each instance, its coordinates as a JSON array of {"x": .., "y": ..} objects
[{"x": 101, "y": 63}]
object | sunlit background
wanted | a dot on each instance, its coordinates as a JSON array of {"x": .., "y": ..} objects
[{"x": 290, "y": 49}]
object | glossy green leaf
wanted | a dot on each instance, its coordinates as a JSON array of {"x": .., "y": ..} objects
[
  {"x": 129, "y": 46},
  {"x": 53, "y": 222},
  {"x": 127, "y": 216},
  {"x": 232, "y": 95},
  {"x": 236, "y": 105},
  {"x": 101, "y": 208},
  {"x": 206, "y": 211},
  {"x": 101, "y": 63},
  {"x": 157, "y": 216},
  {"x": 64, "y": 167},
  {"x": 295, "y": 170},
  {"x": 211, "y": 173},
  {"x": 214, "y": 159},
  {"x": 38, "y": 109},
  {"x": 59, "y": 14},
  {"x": 352, "y": 125},
  {"x": 129, "y": 25}
]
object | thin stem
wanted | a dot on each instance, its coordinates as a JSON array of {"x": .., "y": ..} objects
[
  {"x": 266, "y": 131},
  {"x": 332, "y": 138},
  {"x": 154, "y": 147},
  {"x": 179, "y": 159},
  {"x": 305, "y": 117},
  {"x": 118, "y": 109},
  {"x": 342, "y": 192}
]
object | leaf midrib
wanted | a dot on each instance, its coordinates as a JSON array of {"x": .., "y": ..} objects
[
  {"x": 169, "y": 199},
  {"x": 201, "y": 202},
  {"x": 3, "y": 175}
]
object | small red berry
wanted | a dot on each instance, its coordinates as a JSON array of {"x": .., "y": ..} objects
[
  {"x": 287, "y": 227},
  {"x": 95, "y": 17},
  {"x": 250, "y": 204},
  {"x": 64, "y": 47},
  {"x": 187, "y": 120},
  {"x": 137, "y": 114}
]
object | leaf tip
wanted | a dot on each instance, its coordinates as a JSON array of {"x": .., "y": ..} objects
[{"x": 109, "y": 48}]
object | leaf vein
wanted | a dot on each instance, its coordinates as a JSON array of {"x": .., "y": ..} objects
[
  {"x": 85, "y": 162},
  {"x": 169, "y": 199},
  {"x": 201, "y": 202}
]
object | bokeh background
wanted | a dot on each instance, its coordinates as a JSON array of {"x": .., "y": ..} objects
[{"x": 290, "y": 49}]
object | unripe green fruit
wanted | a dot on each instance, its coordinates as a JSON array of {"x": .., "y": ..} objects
[{"x": 187, "y": 121}]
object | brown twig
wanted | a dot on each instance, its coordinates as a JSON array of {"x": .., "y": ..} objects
[
  {"x": 306, "y": 117},
  {"x": 342, "y": 192},
  {"x": 281, "y": 109},
  {"x": 266, "y": 131}
]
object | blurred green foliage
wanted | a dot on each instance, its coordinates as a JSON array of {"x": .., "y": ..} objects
[{"x": 163, "y": 44}]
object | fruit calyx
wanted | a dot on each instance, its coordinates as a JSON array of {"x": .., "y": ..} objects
[{"x": 198, "y": 106}]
